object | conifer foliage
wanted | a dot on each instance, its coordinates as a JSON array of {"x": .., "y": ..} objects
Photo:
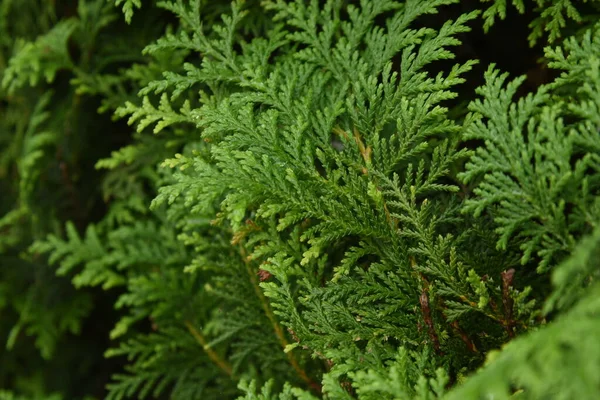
[{"x": 293, "y": 199}]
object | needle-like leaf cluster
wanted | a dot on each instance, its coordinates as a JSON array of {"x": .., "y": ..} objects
[{"x": 309, "y": 199}]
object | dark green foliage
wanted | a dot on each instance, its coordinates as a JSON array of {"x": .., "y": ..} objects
[
  {"x": 315, "y": 202},
  {"x": 552, "y": 16}
]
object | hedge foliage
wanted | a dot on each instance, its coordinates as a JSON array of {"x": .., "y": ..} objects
[{"x": 299, "y": 199}]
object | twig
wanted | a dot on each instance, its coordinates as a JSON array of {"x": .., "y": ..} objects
[
  {"x": 276, "y": 326},
  {"x": 426, "y": 310},
  {"x": 507, "y": 301},
  {"x": 464, "y": 337},
  {"x": 223, "y": 364}
]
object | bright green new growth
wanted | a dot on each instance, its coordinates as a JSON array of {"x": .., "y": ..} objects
[
  {"x": 303, "y": 211},
  {"x": 128, "y": 6}
]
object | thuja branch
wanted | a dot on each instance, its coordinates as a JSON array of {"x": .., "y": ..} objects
[
  {"x": 276, "y": 326},
  {"x": 220, "y": 362}
]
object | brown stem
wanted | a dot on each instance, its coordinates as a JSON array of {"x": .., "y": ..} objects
[
  {"x": 426, "y": 310},
  {"x": 464, "y": 337},
  {"x": 223, "y": 364},
  {"x": 459, "y": 331},
  {"x": 276, "y": 326},
  {"x": 507, "y": 301}
]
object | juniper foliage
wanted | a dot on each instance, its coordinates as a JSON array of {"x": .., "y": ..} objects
[{"x": 304, "y": 210}]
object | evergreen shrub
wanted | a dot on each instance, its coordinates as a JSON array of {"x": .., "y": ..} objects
[{"x": 299, "y": 199}]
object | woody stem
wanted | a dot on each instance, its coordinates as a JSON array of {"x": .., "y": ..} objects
[
  {"x": 276, "y": 326},
  {"x": 223, "y": 364}
]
